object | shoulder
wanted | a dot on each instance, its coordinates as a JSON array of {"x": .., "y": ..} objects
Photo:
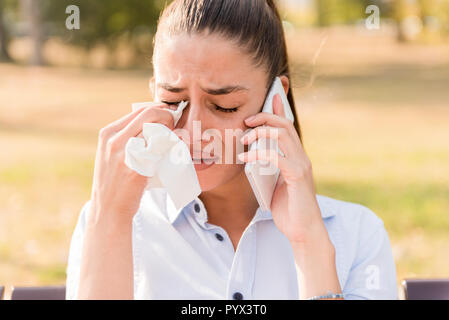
[
  {"x": 82, "y": 218},
  {"x": 352, "y": 227},
  {"x": 348, "y": 214},
  {"x": 78, "y": 232},
  {"x": 75, "y": 253},
  {"x": 363, "y": 250}
]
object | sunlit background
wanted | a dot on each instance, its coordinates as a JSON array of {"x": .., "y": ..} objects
[{"x": 373, "y": 102}]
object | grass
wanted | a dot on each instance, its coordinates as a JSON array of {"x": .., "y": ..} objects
[{"x": 375, "y": 126}]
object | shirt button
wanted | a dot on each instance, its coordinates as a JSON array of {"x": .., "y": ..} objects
[
  {"x": 197, "y": 207},
  {"x": 219, "y": 236},
  {"x": 237, "y": 296}
]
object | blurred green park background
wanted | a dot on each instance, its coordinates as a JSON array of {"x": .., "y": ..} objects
[{"x": 373, "y": 105}]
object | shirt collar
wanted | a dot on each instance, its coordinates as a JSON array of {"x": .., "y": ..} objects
[{"x": 327, "y": 210}]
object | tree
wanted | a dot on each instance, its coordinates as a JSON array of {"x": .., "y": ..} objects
[
  {"x": 4, "y": 36},
  {"x": 340, "y": 12},
  {"x": 32, "y": 12},
  {"x": 103, "y": 21}
]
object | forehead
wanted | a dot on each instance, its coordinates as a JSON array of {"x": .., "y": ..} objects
[{"x": 209, "y": 58}]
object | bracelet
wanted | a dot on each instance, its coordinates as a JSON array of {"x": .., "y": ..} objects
[{"x": 328, "y": 296}]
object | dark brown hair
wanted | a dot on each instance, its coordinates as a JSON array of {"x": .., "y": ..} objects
[{"x": 255, "y": 26}]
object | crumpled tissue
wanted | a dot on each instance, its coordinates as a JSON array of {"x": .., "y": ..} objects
[{"x": 164, "y": 158}]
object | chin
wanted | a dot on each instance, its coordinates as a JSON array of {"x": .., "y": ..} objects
[
  {"x": 208, "y": 181},
  {"x": 217, "y": 175}
]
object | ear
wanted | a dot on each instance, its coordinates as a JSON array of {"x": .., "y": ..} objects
[
  {"x": 285, "y": 83},
  {"x": 152, "y": 87}
]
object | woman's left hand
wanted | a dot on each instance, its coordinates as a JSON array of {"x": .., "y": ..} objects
[{"x": 294, "y": 206}]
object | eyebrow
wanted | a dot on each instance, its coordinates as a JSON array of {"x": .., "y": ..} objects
[{"x": 216, "y": 92}]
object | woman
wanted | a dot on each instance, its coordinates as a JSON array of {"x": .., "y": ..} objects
[{"x": 221, "y": 57}]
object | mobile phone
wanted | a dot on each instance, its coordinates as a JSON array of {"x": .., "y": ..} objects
[{"x": 263, "y": 176}]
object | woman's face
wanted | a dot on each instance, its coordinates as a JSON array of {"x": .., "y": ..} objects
[{"x": 222, "y": 87}]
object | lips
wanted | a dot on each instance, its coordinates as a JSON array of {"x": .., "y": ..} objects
[
  {"x": 204, "y": 156},
  {"x": 203, "y": 164},
  {"x": 204, "y": 160}
]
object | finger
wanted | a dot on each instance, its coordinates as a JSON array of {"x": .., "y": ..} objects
[
  {"x": 264, "y": 155},
  {"x": 289, "y": 170},
  {"x": 280, "y": 181},
  {"x": 119, "y": 124},
  {"x": 279, "y": 135},
  {"x": 150, "y": 104},
  {"x": 137, "y": 109},
  {"x": 269, "y": 119},
  {"x": 152, "y": 115},
  {"x": 278, "y": 107}
]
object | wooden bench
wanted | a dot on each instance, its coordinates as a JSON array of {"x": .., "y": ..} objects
[
  {"x": 38, "y": 293},
  {"x": 426, "y": 289}
]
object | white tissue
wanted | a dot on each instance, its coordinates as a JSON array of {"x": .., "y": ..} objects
[{"x": 164, "y": 158}]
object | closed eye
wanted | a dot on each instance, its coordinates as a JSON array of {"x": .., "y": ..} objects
[
  {"x": 225, "y": 109},
  {"x": 221, "y": 109},
  {"x": 171, "y": 103}
]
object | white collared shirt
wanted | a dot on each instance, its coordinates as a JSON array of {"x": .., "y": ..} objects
[{"x": 179, "y": 255}]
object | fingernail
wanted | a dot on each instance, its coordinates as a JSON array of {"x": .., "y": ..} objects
[
  {"x": 243, "y": 139},
  {"x": 250, "y": 118}
]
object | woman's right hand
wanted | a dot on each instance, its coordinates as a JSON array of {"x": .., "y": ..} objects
[
  {"x": 116, "y": 189},
  {"x": 106, "y": 270}
]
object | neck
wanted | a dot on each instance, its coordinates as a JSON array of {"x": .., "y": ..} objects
[{"x": 231, "y": 205}]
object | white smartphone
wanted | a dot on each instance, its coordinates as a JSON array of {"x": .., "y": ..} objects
[{"x": 263, "y": 176}]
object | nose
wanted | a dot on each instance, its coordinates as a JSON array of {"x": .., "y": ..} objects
[
  {"x": 190, "y": 125},
  {"x": 190, "y": 114}
]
